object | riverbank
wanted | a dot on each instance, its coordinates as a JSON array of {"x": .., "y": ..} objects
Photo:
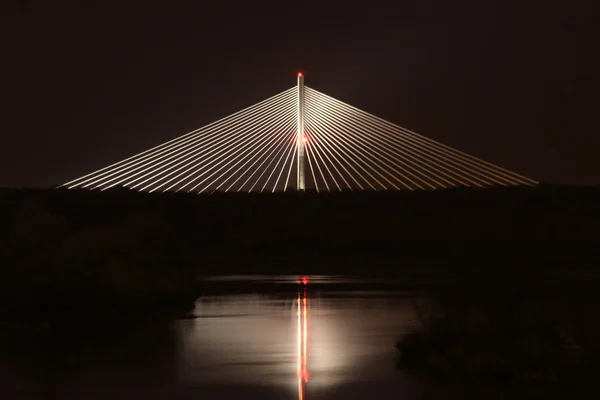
[
  {"x": 66, "y": 253},
  {"x": 493, "y": 335}
]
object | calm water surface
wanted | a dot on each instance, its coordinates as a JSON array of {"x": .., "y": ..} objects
[{"x": 284, "y": 337}]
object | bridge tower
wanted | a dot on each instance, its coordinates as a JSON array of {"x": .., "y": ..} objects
[
  {"x": 330, "y": 142},
  {"x": 301, "y": 140}
]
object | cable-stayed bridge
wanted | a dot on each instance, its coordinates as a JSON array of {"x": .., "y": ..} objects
[{"x": 300, "y": 139}]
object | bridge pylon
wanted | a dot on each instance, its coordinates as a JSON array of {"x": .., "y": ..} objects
[
  {"x": 301, "y": 139},
  {"x": 330, "y": 146}
]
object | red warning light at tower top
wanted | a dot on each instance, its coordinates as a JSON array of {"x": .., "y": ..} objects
[{"x": 299, "y": 74}]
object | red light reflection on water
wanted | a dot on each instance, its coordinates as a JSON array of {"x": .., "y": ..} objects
[{"x": 302, "y": 355}]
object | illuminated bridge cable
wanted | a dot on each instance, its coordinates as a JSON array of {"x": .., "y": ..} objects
[
  {"x": 311, "y": 168},
  {"x": 335, "y": 149},
  {"x": 324, "y": 137},
  {"x": 369, "y": 159},
  {"x": 245, "y": 147},
  {"x": 283, "y": 166},
  {"x": 79, "y": 181},
  {"x": 227, "y": 136},
  {"x": 277, "y": 170},
  {"x": 394, "y": 169},
  {"x": 333, "y": 153},
  {"x": 289, "y": 156},
  {"x": 200, "y": 147},
  {"x": 440, "y": 147},
  {"x": 352, "y": 133},
  {"x": 409, "y": 147},
  {"x": 318, "y": 151},
  {"x": 279, "y": 147},
  {"x": 383, "y": 151},
  {"x": 258, "y": 151},
  {"x": 390, "y": 160},
  {"x": 121, "y": 171},
  {"x": 333, "y": 171},
  {"x": 353, "y": 157},
  {"x": 363, "y": 157},
  {"x": 262, "y": 146},
  {"x": 408, "y": 157},
  {"x": 404, "y": 144},
  {"x": 401, "y": 151},
  {"x": 463, "y": 174},
  {"x": 235, "y": 136},
  {"x": 277, "y": 154},
  {"x": 235, "y": 150},
  {"x": 319, "y": 162},
  {"x": 351, "y": 112},
  {"x": 331, "y": 158},
  {"x": 185, "y": 158}
]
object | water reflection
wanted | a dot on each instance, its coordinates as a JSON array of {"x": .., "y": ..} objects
[
  {"x": 293, "y": 338},
  {"x": 336, "y": 340},
  {"x": 303, "y": 374}
]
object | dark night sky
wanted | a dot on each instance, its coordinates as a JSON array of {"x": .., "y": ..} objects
[{"x": 88, "y": 83}]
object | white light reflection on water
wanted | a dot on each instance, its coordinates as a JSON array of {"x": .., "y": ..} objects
[{"x": 313, "y": 341}]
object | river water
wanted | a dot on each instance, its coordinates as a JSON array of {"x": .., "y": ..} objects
[{"x": 276, "y": 337}]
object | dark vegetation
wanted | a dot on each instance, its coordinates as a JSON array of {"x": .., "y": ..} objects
[
  {"x": 499, "y": 334},
  {"x": 94, "y": 255}
]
